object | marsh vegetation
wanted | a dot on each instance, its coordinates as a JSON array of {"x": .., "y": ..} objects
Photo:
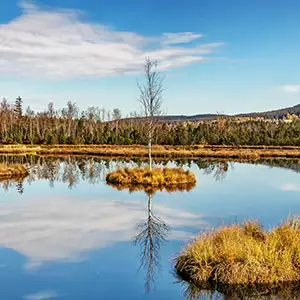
[
  {"x": 243, "y": 256},
  {"x": 157, "y": 178}
]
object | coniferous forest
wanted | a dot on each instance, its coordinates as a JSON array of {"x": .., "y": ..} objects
[{"x": 99, "y": 126}]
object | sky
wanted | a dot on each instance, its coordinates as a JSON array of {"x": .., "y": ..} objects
[{"x": 216, "y": 56}]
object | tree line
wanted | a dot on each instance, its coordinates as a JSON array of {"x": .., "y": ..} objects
[{"x": 99, "y": 126}]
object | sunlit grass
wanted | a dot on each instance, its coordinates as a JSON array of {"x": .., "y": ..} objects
[
  {"x": 158, "y": 151},
  {"x": 243, "y": 255},
  {"x": 137, "y": 178}
]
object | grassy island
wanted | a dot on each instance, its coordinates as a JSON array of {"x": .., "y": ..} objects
[
  {"x": 158, "y": 178},
  {"x": 243, "y": 256},
  {"x": 12, "y": 170}
]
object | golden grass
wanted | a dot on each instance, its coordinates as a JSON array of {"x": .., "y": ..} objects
[
  {"x": 12, "y": 170},
  {"x": 243, "y": 255},
  {"x": 158, "y": 178},
  {"x": 152, "y": 189},
  {"x": 159, "y": 151}
]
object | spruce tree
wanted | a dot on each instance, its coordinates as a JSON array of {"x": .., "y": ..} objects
[{"x": 18, "y": 106}]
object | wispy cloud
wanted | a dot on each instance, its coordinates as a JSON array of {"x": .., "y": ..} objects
[
  {"x": 180, "y": 38},
  {"x": 42, "y": 295},
  {"x": 58, "y": 44},
  {"x": 291, "y": 88}
]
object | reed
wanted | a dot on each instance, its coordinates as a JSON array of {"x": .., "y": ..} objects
[{"x": 243, "y": 255}]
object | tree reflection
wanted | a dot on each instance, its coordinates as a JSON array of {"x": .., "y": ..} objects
[
  {"x": 219, "y": 169},
  {"x": 151, "y": 235},
  {"x": 75, "y": 169}
]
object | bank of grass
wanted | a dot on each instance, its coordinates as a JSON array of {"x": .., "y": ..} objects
[
  {"x": 157, "y": 178},
  {"x": 12, "y": 170},
  {"x": 243, "y": 256},
  {"x": 159, "y": 151}
]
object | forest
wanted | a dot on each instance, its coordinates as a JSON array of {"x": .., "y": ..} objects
[{"x": 99, "y": 126}]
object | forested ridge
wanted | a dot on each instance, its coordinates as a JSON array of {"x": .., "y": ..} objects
[{"x": 98, "y": 126}]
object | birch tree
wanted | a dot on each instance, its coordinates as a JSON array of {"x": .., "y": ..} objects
[{"x": 151, "y": 99}]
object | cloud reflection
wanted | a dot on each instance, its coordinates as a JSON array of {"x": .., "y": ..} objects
[
  {"x": 42, "y": 295},
  {"x": 65, "y": 228}
]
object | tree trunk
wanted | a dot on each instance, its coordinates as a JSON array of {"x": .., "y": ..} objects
[{"x": 150, "y": 152}]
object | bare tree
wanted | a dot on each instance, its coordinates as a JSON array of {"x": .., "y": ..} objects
[
  {"x": 152, "y": 233},
  {"x": 151, "y": 100}
]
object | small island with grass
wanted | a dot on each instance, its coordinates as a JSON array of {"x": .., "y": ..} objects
[
  {"x": 12, "y": 170},
  {"x": 243, "y": 256},
  {"x": 157, "y": 178}
]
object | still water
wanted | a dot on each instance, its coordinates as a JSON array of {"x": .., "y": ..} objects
[{"x": 65, "y": 234}]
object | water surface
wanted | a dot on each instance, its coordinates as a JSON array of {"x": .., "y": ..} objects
[{"x": 65, "y": 234}]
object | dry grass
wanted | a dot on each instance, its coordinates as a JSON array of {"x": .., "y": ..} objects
[
  {"x": 194, "y": 151},
  {"x": 152, "y": 189},
  {"x": 12, "y": 170},
  {"x": 243, "y": 255},
  {"x": 158, "y": 178}
]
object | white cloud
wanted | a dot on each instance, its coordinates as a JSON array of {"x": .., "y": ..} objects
[
  {"x": 292, "y": 88},
  {"x": 291, "y": 187},
  {"x": 180, "y": 38},
  {"x": 58, "y": 44},
  {"x": 43, "y": 295},
  {"x": 65, "y": 229}
]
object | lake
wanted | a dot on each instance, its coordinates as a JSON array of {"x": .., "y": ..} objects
[{"x": 65, "y": 234}]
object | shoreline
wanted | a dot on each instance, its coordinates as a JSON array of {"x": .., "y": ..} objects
[{"x": 135, "y": 151}]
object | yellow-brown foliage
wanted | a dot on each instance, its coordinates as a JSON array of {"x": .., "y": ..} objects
[
  {"x": 12, "y": 170},
  {"x": 158, "y": 151},
  {"x": 244, "y": 255},
  {"x": 158, "y": 178},
  {"x": 152, "y": 189}
]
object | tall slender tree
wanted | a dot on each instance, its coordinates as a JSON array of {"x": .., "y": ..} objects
[{"x": 151, "y": 99}]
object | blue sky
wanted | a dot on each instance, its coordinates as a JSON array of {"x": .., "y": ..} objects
[{"x": 226, "y": 56}]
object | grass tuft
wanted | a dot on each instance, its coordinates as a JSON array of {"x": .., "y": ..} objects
[
  {"x": 244, "y": 255},
  {"x": 158, "y": 178}
]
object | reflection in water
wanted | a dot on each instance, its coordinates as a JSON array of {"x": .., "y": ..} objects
[
  {"x": 65, "y": 228},
  {"x": 73, "y": 170},
  {"x": 58, "y": 229},
  {"x": 151, "y": 235},
  {"x": 286, "y": 292},
  {"x": 218, "y": 169}
]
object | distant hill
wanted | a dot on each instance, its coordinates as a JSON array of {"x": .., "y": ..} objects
[
  {"x": 273, "y": 114},
  {"x": 189, "y": 118}
]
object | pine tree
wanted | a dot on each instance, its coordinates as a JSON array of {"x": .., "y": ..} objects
[{"x": 18, "y": 106}]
